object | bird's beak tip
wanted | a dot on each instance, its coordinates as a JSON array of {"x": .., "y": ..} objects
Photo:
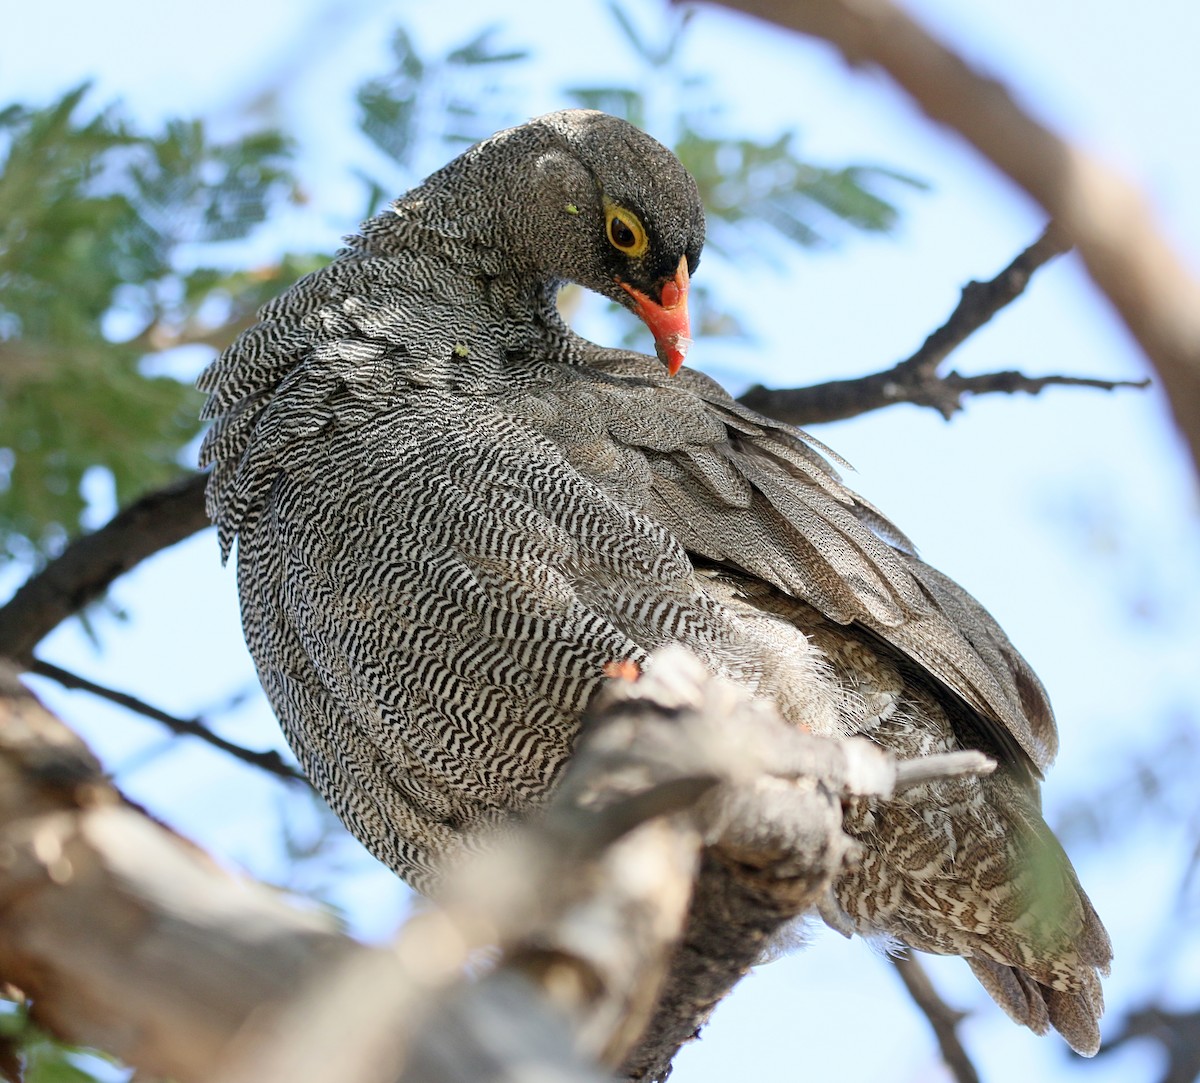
[{"x": 667, "y": 318}]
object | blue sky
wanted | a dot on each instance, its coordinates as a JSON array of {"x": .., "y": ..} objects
[{"x": 1072, "y": 516}]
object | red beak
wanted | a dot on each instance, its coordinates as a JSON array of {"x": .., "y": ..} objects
[{"x": 666, "y": 318}]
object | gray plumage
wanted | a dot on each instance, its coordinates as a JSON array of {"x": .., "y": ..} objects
[{"x": 452, "y": 512}]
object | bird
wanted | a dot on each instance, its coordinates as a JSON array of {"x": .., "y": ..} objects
[{"x": 454, "y": 515}]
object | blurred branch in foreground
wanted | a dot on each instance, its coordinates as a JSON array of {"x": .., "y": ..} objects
[{"x": 127, "y": 937}]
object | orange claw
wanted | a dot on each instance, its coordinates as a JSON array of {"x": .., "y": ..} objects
[{"x": 625, "y": 670}]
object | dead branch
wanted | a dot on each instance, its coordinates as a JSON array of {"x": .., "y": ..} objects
[
  {"x": 269, "y": 761},
  {"x": 980, "y": 301},
  {"x": 123, "y": 935},
  {"x": 1100, "y": 213},
  {"x": 126, "y": 937},
  {"x": 840, "y": 399},
  {"x": 916, "y": 379},
  {"x": 775, "y": 846}
]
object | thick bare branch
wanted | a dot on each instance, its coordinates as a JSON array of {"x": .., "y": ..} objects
[
  {"x": 916, "y": 380},
  {"x": 1105, "y": 217},
  {"x": 125, "y": 936},
  {"x": 129, "y": 938},
  {"x": 269, "y": 761},
  {"x": 87, "y": 566},
  {"x": 774, "y": 840}
]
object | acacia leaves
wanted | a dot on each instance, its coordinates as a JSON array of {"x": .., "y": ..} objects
[
  {"x": 426, "y": 104},
  {"x": 92, "y": 217}
]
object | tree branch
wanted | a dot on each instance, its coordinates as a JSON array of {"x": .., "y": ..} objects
[
  {"x": 915, "y": 380},
  {"x": 841, "y": 399},
  {"x": 128, "y": 938},
  {"x": 161, "y": 335},
  {"x": 776, "y": 841},
  {"x": 1176, "y": 1033},
  {"x": 980, "y": 301},
  {"x": 90, "y": 564},
  {"x": 942, "y": 1018},
  {"x": 123, "y": 935},
  {"x": 1105, "y": 217},
  {"x": 269, "y": 761}
]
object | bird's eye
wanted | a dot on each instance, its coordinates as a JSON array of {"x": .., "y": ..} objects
[{"x": 625, "y": 232}]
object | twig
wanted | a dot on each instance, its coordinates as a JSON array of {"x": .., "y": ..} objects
[
  {"x": 915, "y": 380},
  {"x": 943, "y": 765},
  {"x": 942, "y": 1018},
  {"x": 840, "y": 399},
  {"x": 1176, "y": 1033},
  {"x": 84, "y": 570},
  {"x": 87, "y": 566},
  {"x": 269, "y": 761},
  {"x": 1104, "y": 216},
  {"x": 980, "y": 301}
]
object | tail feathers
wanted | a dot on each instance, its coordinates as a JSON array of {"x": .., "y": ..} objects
[
  {"x": 1074, "y": 1013},
  {"x": 1017, "y": 993},
  {"x": 1059, "y": 986},
  {"x": 1004, "y": 897}
]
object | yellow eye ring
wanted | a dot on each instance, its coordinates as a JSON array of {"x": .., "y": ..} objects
[{"x": 625, "y": 231}]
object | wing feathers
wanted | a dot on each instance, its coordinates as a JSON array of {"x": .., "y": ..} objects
[{"x": 763, "y": 497}]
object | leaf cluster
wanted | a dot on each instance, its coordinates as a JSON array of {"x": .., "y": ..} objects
[
  {"x": 761, "y": 196},
  {"x": 750, "y": 187},
  {"x": 93, "y": 216},
  {"x": 29, "y": 1055},
  {"x": 427, "y": 108}
]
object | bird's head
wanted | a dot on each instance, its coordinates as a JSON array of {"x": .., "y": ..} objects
[{"x": 606, "y": 206}]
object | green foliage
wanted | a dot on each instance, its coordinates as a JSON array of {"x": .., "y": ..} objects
[
  {"x": 749, "y": 183},
  {"x": 425, "y": 105},
  {"x": 92, "y": 216},
  {"x": 759, "y": 196},
  {"x": 753, "y": 190},
  {"x": 27, "y": 1055}
]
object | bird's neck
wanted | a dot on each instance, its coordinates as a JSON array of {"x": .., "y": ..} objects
[{"x": 461, "y": 291}]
